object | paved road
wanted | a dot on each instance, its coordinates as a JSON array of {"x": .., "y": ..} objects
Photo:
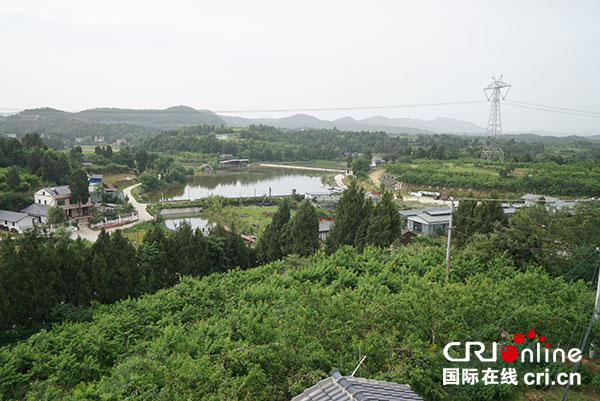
[
  {"x": 92, "y": 235},
  {"x": 339, "y": 181}
]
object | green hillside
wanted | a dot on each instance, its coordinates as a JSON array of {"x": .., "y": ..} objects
[{"x": 268, "y": 333}]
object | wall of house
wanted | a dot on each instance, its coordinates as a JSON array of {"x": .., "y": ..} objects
[{"x": 42, "y": 197}]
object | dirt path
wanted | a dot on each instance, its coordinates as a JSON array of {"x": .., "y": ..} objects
[{"x": 375, "y": 176}]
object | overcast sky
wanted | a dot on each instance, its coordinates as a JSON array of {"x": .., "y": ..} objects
[{"x": 225, "y": 55}]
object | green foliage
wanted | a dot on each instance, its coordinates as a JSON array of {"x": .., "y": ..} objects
[
  {"x": 79, "y": 186},
  {"x": 303, "y": 231},
  {"x": 12, "y": 178},
  {"x": 361, "y": 167},
  {"x": 14, "y": 202},
  {"x": 150, "y": 180},
  {"x": 270, "y": 332},
  {"x": 385, "y": 224},
  {"x": 56, "y": 215},
  {"x": 351, "y": 219},
  {"x": 272, "y": 243}
]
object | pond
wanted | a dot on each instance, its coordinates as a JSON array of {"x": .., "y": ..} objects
[
  {"x": 196, "y": 221},
  {"x": 246, "y": 182}
]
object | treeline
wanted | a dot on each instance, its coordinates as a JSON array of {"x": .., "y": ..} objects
[
  {"x": 573, "y": 178},
  {"x": 357, "y": 222},
  {"x": 39, "y": 274},
  {"x": 31, "y": 163},
  {"x": 266, "y": 143}
]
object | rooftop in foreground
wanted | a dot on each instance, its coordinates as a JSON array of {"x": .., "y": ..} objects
[{"x": 349, "y": 388}]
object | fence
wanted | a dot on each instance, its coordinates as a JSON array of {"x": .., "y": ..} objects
[{"x": 116, "y": 222}]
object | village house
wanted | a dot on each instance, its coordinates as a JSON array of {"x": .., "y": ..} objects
[
  {"x": 61, "y": 196},
  {"x": 15, "y": 222},
  {"x": 377, "y": 162},
  {"x": 436, "y": 220},
  {"x": 350, "y": 388},
  {"x": 37, "y": 212}
]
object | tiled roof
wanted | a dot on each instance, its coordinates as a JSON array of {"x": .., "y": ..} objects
[
  {"x": 349, "y": 388},
  {"x": 11, "y": 216},
  {"x": 36, "y": 209},
  {"x": 58, "y": 191}
]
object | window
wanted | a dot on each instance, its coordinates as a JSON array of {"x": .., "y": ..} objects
[
  {"x": 61, "y": 202},
  {"x": 44, "y": 201}
]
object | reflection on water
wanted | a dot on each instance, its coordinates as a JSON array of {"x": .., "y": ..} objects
[
  {"x": 194, "y": 222},
  {"x": 244, "y": 182}
]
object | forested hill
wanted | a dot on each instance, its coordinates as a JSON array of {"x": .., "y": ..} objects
[
  {"x": 109, "y": 122},
  {"x": 67, "y": 125},
  {"x": 269, "y": 332},
  {"x": 172, "y": 117}
]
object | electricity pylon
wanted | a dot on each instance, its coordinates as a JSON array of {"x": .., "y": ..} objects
[{"x": 492, "y": 149}]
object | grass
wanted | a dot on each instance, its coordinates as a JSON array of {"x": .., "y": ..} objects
[
  {"x": 247, "y": 219},
  {"x": 136, "y": 233},
  {"x": 117, "y": 180},
  {"x": 404, "y": 204}
]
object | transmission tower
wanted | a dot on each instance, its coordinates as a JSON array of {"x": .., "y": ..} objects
[{"x": 492, "y": 149}]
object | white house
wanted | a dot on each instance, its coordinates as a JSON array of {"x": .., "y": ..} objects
[
  {"x": 61, "y": 196},
  {"x": 16, "y": 222},
  {"x": 37, "y": 212}
]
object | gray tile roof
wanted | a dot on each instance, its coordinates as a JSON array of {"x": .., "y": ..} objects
[
  {"x": 12, "y": 216},
  {"x": 348, "y": 388},
  {"x": 36, "y": 209},
  {"x": 58, "y": 191}
]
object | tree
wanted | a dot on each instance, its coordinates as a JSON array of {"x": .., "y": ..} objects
[
  {"x": 303, "y": 234},
  {"x": 76, "y": 155},
  {"x": 48, "y": 166},
  {"x": 149, "y": 180},
  {"x": 361, "y": 167},
  {"x": 34, "y": 160},
  {"x": 32, "y": 140},
  {"x": 79, "y": 187},
  {"x": 385, "y": 223},
  {"x": 141, "y": 159},
  {"x": 56, "y": 215},
  {"x": 351, "y": 217},
  {"x": 464, "y": 221},
  {"x": 12, "y": 178},
  {"x": 270, "y": 246}
]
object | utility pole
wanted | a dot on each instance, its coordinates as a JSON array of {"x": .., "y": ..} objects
[
  {"x": 589, "y": 329},
  {"x": 449, "y": 240}
]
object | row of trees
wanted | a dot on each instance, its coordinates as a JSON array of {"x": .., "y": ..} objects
[
  {"x": 357, "y": 222},
  {"x": 37, "y": 274}
]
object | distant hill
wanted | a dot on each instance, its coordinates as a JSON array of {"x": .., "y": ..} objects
[
  {"x": 173, "y": 117},
  {"x": 51, "y": 121},
  {"x": 376, "y": 123}
]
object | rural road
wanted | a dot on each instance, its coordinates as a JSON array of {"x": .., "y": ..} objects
[{"x": 92, "y": 235}]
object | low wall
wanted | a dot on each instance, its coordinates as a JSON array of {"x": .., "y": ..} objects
[{"x": 180, "y": 210}]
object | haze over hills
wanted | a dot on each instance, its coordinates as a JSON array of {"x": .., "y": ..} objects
[{"x": 116, "y": 121}]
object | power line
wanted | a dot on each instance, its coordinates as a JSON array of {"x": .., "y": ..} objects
[
  {"x": 558, "y": 111},
  {"x": 554, "y": 107}
]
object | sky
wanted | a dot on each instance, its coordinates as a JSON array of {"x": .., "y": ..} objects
[{"x": 241, "y": 55}]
